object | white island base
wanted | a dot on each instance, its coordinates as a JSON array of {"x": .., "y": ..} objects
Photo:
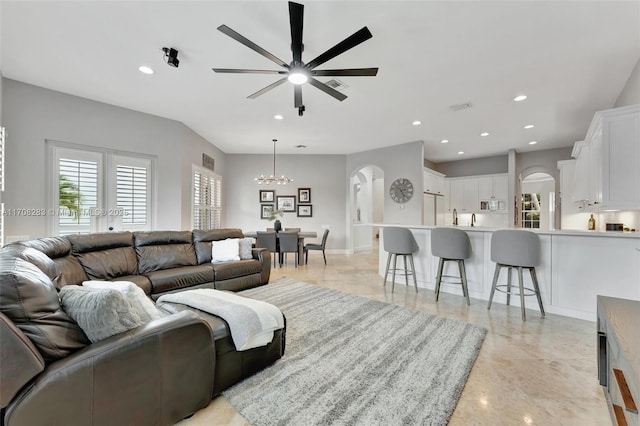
[{"x": 576, "y": 267}]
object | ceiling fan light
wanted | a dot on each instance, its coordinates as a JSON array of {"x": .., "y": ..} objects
[{"x": 298, "y": 77}]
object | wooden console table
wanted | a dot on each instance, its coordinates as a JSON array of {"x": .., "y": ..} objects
[{"x": 619, "y": 357}]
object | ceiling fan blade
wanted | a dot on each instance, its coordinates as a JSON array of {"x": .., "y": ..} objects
[
  {"x": 296, "y": 16},
  {"x": 251, "y": 45},
  {"x": 354, "y": 72},
  {"x": 297, "y": 96},
  {"x": 326, "y": 89},
  {"x": 237, "y": 71},
  {"x": 266, "y": 89},
  {"x": 363, "y": 34}
]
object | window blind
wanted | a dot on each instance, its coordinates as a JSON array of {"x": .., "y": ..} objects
[
  {"x": 78, "y": 186},
  {"x": 207, "y": 200},
  {"x": 132, "y": 194}
]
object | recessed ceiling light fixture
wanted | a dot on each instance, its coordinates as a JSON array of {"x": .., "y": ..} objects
[
  {"x": 417, "y": 123},
  {"x": 145, "y": 70},
  {"x": 520, "y": 98},
  {"x": 444, "y": 141},
  {"x": 484, "y": 134},
  {"x": 460, "y": 152},
  {"x": 529, "y": 126},
  {"x": 533, "y": 142},
  {"x": 278, "y": 117}
]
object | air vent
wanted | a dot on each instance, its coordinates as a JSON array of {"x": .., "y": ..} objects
[
  {"x": 460, "y": 107},
  {"x": 334, "y": 83}
]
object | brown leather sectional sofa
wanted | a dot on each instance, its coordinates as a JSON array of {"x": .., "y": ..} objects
[{"x": 158, "y": 373}]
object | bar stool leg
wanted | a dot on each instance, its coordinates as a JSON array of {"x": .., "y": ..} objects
[
  {"x": 413, "y": 271},
  {"x": 520, "y": 282},
  {"x": 439, "y": 277},
  {"x": 509, "y": 271},
  {"x": 496, "y": 275},
  {"x": 534, "y": 278},
  {"x": 406, "y": 271},
  {"x": 463, "y": 278},
  {"x": 393, "y": 275},
  {"x": 386, "y": 271}
]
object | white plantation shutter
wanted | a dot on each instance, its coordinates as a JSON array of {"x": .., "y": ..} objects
[
  {"x": 2, "y": 155},
  {"x": 207, "y": 200},
  {"x": 133, "y": 191}
]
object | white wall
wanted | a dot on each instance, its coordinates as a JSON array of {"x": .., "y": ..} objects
[
  {"x": 32, "y": 115},
  {"x": 324, "y": 174},
  {"x": 630, "y": 94}
]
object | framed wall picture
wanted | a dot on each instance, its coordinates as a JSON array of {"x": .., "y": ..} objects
[
  {"x": 304, "y": 195},
  {"x": 286, "y": 203},
  {"x": 267, "y": 196},
  {"x": 265, "y": 210},
  {"x": 305, "y": 210}
]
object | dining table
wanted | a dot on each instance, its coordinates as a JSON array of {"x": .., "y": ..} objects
[{"x": 301, "y": 236}]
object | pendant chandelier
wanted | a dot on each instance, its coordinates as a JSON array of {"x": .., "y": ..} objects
[{"x": 273, "y": 178}]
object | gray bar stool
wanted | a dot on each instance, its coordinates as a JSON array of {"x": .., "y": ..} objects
[
  {"x": 516, "y": 249},
  {"x": 450, "y": 244},
  {"x": 399, "y": 241}
]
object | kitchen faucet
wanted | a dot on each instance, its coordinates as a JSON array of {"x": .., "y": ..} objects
[
  {"x": 473, "y": 218},
  {"x": 455, "y": 217}
]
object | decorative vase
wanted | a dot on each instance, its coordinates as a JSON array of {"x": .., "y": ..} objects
[{"x": 277, "y": 226}]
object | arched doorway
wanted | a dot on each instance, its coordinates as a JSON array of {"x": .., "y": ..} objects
[
  {"x": 366, "y": 206},
  {"x": 538, "y": 205}
]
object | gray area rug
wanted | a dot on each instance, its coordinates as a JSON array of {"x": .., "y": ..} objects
[{"x": 355, "y": 361}]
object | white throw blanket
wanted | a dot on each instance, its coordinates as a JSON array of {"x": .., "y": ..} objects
[{"x": 252, "y": 322}]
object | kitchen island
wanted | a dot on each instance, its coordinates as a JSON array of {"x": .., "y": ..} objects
[{"x": 576, "y": 267}]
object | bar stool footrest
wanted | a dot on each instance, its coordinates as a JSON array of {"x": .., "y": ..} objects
[{"x": 503, "y": 288}]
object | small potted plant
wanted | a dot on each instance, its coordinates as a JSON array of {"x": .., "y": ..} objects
[{"x": 274, "y": 214}]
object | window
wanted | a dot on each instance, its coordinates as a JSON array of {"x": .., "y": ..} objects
[
  {"x": 207, "y": 199},
  {"x": 97, "y": 191},
  {"x": 531, "y": 210},
  {"x": 1, "y": 185}
]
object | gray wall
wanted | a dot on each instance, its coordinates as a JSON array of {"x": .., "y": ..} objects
[
  {"x": 630, "y": 94},
  {"x": 473, "y": 167},
  {"x": 324, "y": 174},
  {"x": 542, "y": 161},
  {"x": 32, "y": 115}
]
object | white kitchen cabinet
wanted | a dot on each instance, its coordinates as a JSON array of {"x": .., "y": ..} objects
[
  {"x": 463, "y": 195},
  {"x": 493, "y": 188},
  {"x": 580, "y": 193},
  {"x": 572, "y": 216},
  {"x": 434, "y": 182}
]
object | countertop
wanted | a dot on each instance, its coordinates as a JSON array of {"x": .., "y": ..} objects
[{"x": 568, "y": 232}]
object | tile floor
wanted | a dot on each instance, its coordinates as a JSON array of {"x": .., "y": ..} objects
[{"x": 542, "y": 372}]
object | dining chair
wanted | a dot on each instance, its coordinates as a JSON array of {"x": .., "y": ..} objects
[
  {"x": 288, "y": 244},
  {"x": 315, "y": 246},
  {"x": 267, "y": 240}
]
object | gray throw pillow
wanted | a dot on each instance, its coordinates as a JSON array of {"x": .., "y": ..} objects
[
  {"x": 99, "y": 313},
  {"x": 245, "y": 248},
  {"x": 145, "y": 308}
]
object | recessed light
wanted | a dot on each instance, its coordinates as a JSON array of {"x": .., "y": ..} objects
[
  {"x": 533, "y": 142},
  {"x": 484, "y": 134},
  {"x": 417, "y": 123},
  {"x": 520, "y": 98},
  {"x": 145, "y": 70},
  {"x": 278, "y": 117},
  {"x": 444, "y": 141},
  {"x": 529, "y": 126},
  {"x": 460, "y": 152}
]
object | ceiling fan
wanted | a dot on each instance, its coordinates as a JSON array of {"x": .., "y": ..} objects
[{"x": 298, "y": 72}]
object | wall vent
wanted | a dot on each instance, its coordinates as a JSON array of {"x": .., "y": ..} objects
[{"x": 460, "y": 107}]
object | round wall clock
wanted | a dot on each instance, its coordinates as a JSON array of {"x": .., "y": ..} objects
[{"x": 401, "y": 190}]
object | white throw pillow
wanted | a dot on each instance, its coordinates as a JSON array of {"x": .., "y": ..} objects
[
  {"x": 100, "y": 313},
  {"x": 225, "y": 250},
  {"x": 246, "y": 244},
  {"x": 145, "y": 308}
]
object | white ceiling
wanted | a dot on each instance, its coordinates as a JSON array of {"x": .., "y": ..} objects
[{"x": 571, "y": 58}]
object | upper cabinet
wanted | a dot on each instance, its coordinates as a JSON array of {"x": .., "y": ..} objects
[
  {"x": 464, "y": 195},
  {"x": 493, "y": 187},
  {"x": 434, "y": 182},
  {"x": 607, "y": 174}
]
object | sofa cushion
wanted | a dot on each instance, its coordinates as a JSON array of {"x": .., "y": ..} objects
[
  {"x": 159, "y": 250},
  {"x": 224, "y": 271},
  {"x": 29, "y": 298},
  {"x": 99, "y": 312},
  {"x": 139, "y": 280},
  {"x": 38, "y": 258},
  {"x": 246, "y": 244},
  {"x": 225, "y": 250},
  {"x": 59, "y": 250},
  {"x": 177, "y": 278},
  {"x": 202, "y": 240},
  {"x": 105, "y": 256},
  {"x": 145, "y": 308}
]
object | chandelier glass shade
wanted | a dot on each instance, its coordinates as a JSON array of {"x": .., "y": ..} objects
[{"x": 273, "y": 178}]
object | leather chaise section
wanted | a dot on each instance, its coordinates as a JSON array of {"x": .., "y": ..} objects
[
  {"x": 179, "y": 278},
  {"x": 226, "y": 270}
]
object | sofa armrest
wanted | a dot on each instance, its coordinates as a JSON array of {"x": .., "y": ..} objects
[
  {"x": 263, "y": 255},
  {"x": 158, "y": 373},
  {"x": 20, "y": 361}
]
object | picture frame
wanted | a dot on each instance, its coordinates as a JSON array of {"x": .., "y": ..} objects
[
  {"x": 286, "y": 203},
  {"x": 267, "y": 195},
  {"x": 304, "y": 195},
  {"x": 265, "y": 210},
  {"x": 305, "y": 210}
]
